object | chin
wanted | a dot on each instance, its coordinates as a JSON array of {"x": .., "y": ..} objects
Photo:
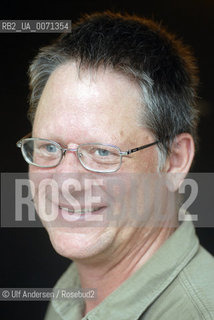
[{"x": 81, "y": 243}]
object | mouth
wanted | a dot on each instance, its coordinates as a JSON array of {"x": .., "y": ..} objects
[
  {"x": 82, "y": 211},
  {"x": 86, "y": 214}
]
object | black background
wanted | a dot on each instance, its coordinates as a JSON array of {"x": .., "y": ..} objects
[{"x": 27, "y": 258}]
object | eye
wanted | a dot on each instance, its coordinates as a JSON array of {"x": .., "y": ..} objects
[
  {"x": 47, "y": 149},
  {"x": 50, "y": 148},
  {"x": 102, "y": 152}
]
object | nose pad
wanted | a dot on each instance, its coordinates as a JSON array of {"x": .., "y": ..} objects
[{"x": 70, "y": 162}]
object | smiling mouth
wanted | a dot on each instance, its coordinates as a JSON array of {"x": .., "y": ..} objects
[{"x": 81, "y": 211}]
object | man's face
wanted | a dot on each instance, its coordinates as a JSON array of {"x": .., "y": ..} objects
[{"x": 97, "y": 107}]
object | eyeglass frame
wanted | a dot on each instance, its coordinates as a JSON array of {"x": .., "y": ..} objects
[{"x": 19, "y": 144}]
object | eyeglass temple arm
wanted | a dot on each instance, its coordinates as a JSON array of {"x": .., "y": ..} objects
[
  {"x": 19, "y": 143},
  {"x": 139, "y": 148}
]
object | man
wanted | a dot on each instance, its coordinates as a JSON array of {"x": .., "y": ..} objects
[{"x": 114, "y": 128}]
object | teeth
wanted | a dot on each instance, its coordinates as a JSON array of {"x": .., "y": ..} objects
[{"x": 82, "y": 211}]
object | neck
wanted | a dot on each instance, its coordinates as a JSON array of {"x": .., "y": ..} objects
[{"x": 108, "y": 273}]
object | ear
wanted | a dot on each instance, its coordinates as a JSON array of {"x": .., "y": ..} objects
[{"x": 179, "y": 161}]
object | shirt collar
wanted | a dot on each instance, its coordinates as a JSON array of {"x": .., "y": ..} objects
[{"x": 135, "y": 294}]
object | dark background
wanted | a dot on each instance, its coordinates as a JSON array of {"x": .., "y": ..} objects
[{"x": 27, "y": 258}]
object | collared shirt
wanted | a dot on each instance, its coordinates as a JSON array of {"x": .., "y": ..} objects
[{"x": 177, "y": 282}]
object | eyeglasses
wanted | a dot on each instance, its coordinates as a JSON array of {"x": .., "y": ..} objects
[{"x": 96, "y": 157}]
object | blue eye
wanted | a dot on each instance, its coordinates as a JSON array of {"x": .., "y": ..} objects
[
  {"x": 50, "y": 148},
  {"x": 103, "y": 152}
]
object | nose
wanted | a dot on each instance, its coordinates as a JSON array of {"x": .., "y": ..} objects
[
  {"x": 70, "y": 162},
  {"x": 69, "y": 150}
]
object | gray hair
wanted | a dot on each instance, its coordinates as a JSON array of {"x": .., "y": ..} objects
[{"x": 141, "y": 49}]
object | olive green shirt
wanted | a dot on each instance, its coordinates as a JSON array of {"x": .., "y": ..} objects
[{"x": 177, "y": 282}]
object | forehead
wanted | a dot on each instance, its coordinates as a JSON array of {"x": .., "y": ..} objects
[{"x": 87, "y": 100}]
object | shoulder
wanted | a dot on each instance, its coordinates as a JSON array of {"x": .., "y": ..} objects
[
  {"x": 51, "y": 314},
  {"x": 190, "y": 296},
  {"x": 197, "y": 280}
]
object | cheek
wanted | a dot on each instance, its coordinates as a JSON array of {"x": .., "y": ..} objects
[
  {"x": 40, "y": 181},
  {"x": 37, "y": 175},
  {"x": 145, "y": 161},
  {"x": 150, "y": 160}
]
